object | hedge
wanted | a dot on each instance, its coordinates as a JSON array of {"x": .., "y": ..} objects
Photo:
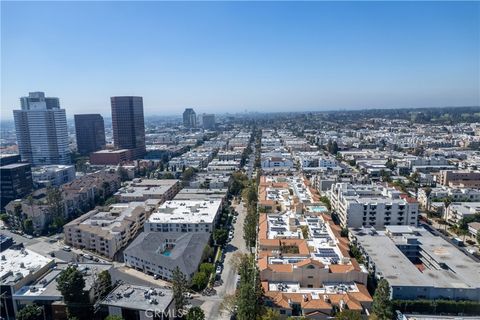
[{"x": 437, "y": 306}]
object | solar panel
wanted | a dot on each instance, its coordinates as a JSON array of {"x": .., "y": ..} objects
[{"x": 326, "y": 253}]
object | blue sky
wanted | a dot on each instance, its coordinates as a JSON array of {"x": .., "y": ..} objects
[{"x": 228, "y": 57}]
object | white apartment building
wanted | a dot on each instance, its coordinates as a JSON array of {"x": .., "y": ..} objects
[
  {"x": 145, "y": 189},
  {"x": 454, "y": 194},
  {"x": 185, "y": 216},
  {"x": 459, "y": 210},
  {"x": 223, "y": 165},
  {"x": 315, "y": 161},
  {"x": 372, "y": 205},
  {"x": 41, "y": 128},
  {"x": 106, "y": 232},
  {"x": 53, "y": 175},
  {"x": 276, "y": 162}
]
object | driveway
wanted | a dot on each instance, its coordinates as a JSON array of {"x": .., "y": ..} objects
[{"x": 211, "y": 304}]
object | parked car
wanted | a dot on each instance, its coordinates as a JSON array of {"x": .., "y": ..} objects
[
  {"x": 88, "y": 256},
  {"x": 67, "y": 248},
  {"x": 458, "y": 242},
  {"x": 219, "y": 270}
]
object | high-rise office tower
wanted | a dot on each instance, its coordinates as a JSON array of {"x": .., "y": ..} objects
[
  {"x": 189, "y": 118},
  {"x": 208, "y": 121},
  {"x": 41, "y": 128},
  {"x": 15, "y": 179},
  {"x": 128, "y": 124},
  {"x": 90, "y": 132}
]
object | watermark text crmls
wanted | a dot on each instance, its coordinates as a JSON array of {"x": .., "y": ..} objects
[{"x": 165, "y": 314}]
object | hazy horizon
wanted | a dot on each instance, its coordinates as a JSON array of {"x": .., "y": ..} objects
[{"x": 220, "y": 57}]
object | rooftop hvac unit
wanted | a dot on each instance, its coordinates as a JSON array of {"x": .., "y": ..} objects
[{"x": 128, "y": 292}]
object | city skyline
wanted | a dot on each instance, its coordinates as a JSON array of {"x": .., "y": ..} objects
[{"x": 232, "y": 57}]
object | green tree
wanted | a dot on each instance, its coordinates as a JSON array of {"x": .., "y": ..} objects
[
  {"x": 195, "y": 313},
  {"x": 250, "y": 194},
  {"x": 326, "y": 201},
  {"x": 188, "y": 174},
  {"x": 207, "y": 268},
  {"x": 168, "y": 175},
  {"x": 271, "y": 314},
  {"x": 391, "y": 164},
  {"x": 17, "y": 215},
  {"x": 348, "y": 315},
  {"x": 56, "y": 207},
  {"x": 220, "y": 236},
  {"x": 30, "y": 312},
  {"x": 199, "y": 280},
  {"x": 228, "y": 303},
  {"x": 71, "y": 285},
  {"x": 334, "y": 148},
  {"x": 5, "y": 218},
  {"x": 207, "y": 254},
  {"x": 250, "y": 293},
  {"x": 382, "y": 305},
  {"x": 28, "y": 226},
  {"x": 250, "y": 228},
  {"x": 179, "y": 287},
  {"x": 104, "y": 284},
  {"x": 122, "y": 173}
]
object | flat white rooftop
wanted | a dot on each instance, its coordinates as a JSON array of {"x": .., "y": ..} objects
[
  {"x": 17, "y": 264},
  {"x": 328, "y": 288},
  {"x": 186, "y": 211}
]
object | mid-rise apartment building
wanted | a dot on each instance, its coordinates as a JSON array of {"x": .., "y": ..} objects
[
  {"x": 464, "y": 179},
  {"x": 144, "y": 189},
  {"x": 372, "y": 205},
  {"x": 53, "y": 175},
  {"x": 457, "y": 211},
  {"x": 185, "y": 216},
  {"x": 106, "y": 232},
  {"x": 160, "y": 253}
]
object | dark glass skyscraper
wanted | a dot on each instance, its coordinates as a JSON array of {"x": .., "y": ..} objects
[
  {"x": 128, "y": 124},
  {"x": 189, "y": 118},
  {"x": 90, "y": 132},
  {"x": 15, "y": 179}
]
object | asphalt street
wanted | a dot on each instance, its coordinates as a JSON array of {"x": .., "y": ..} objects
[{"x": 211, "y": 304}]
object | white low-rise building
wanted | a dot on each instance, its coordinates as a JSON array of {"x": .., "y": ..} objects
[
  {"x": 53, "y": 175},
  {"x": 456, "y": 211},
  {"x": 439, "y": 270},
  {"x": 144, "y": 189},
  {"x": 185, "y": 216}
]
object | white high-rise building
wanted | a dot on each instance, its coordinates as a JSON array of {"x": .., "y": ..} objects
[{"x": 41, "y": 128}]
